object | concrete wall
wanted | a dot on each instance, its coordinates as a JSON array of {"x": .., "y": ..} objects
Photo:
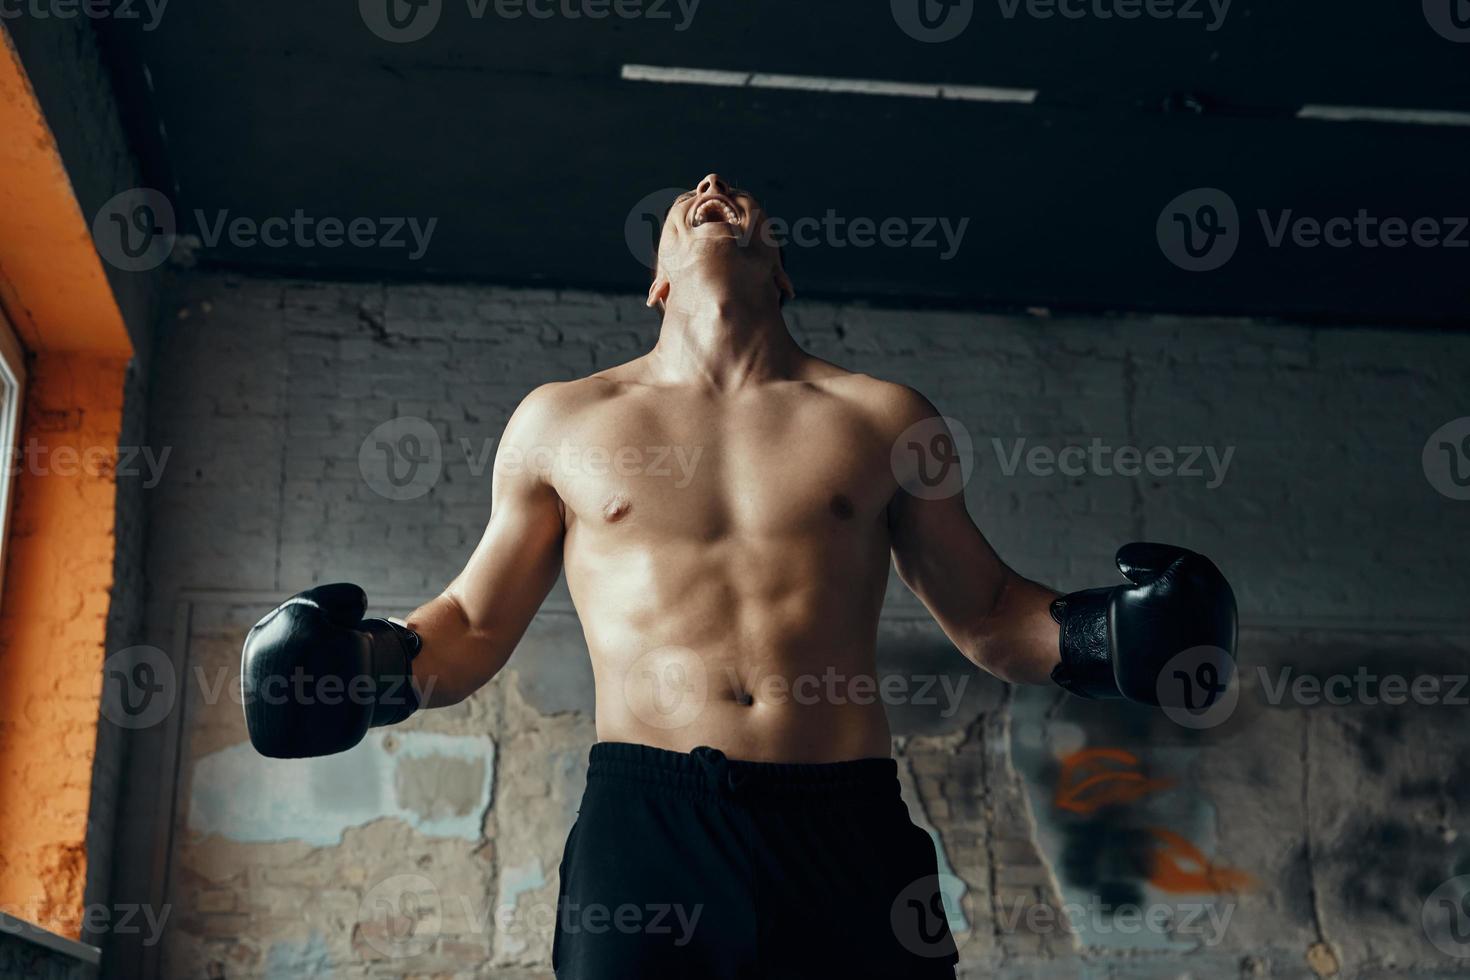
[{"x": 1280, "y": 839}]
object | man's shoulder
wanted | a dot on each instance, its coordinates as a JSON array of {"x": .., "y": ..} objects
[
  {"x": 886, "y": 402},
  {"x": 565, "y": 396}
]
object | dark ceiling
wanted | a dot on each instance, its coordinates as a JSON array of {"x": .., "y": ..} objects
[{"x": 520, "y": 138}]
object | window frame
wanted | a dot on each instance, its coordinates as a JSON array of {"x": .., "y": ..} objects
[{"x": 12, "y": 407}]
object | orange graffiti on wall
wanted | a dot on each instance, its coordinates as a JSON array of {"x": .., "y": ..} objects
[
  {"x": 1094, "y": 778},
  {"x": 1088, "y": 782}
]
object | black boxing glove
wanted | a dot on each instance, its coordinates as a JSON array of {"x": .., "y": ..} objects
[
  {"x": 316, "y": 676},
  {"x": 1116, "y": 641}
]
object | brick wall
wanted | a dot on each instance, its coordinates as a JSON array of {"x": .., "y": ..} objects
[{"x": 1341, "y": 549}]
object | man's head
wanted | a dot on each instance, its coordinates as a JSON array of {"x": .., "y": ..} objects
[{"x": 717, "y": 236}]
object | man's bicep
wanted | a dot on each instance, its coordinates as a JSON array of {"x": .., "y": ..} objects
[
  {"x": 944, "y": 559},
  {"x": 518, "y": 558}
]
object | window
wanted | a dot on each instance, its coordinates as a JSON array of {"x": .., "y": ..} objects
[{"x": 12, "y": 391}]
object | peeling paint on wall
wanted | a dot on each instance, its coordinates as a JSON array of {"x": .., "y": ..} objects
[
  {"x": 515, "y": 881},
  {"x": 288, "y": 960},
  {"x": 439, "y": 784}
]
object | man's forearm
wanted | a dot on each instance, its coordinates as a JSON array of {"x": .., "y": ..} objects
[
  {"x": 457, "y": 657},
  {"x": 1018, "y": 641}
]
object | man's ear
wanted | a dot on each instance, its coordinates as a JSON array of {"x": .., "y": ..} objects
[
  {"x": 658, "y": 291},
  {"x": 783, "y": 283}
]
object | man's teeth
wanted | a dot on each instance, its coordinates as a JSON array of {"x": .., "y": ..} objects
[{"x": 714, "y": 211}]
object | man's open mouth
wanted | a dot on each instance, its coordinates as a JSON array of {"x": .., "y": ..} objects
[{"x": 713, "y": 208}]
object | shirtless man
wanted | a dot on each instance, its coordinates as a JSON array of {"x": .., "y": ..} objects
[{"x": 711, "y": 597}]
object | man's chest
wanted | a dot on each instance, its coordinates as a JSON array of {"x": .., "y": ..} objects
[{"x": 691, "y": 468}]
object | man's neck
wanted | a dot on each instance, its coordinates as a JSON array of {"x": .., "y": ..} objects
[{"x": 724, "y": 340}]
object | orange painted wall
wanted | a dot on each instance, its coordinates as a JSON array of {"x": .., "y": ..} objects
[
  {"x": 58, "y": 565},
  {"x": 52, "y": 625}
]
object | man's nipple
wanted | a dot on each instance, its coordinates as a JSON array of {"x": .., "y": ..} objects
[{"x": 616, "y": 509}]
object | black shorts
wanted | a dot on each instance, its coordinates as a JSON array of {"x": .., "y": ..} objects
[{"x": 696, "y": 866}]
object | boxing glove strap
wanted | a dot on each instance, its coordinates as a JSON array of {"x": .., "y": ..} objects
[
  {"x": 394, "y": 648},
  {"x": 1086, "y": 669}
]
